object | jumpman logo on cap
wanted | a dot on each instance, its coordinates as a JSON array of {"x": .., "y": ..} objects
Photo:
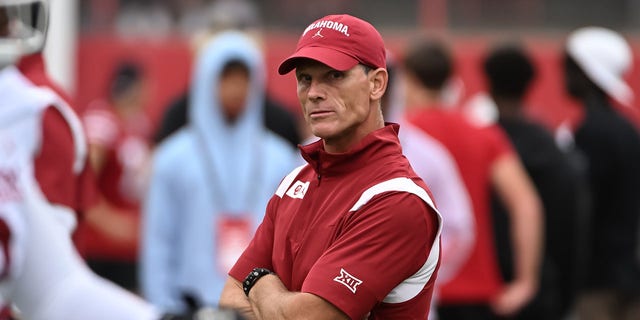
[{"x": 318, "y": 34}]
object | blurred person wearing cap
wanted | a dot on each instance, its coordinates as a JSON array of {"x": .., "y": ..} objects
[
  {"x": 212, "y": 179},
  {"x": 486, "y": 161},
  {"x": 224, "y": 15},
  {"x": 509, "y": 72},
  {"x": 353, "y": 234},
  {"x": 595, "y": 61}
]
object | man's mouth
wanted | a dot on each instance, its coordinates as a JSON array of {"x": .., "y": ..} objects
[{"x": 320, "y": 113}]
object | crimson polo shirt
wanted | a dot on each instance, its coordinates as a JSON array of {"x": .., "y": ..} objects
[{"x": 358, "y": 229}]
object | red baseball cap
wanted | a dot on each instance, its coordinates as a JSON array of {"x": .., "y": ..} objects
[{"x": 340, "y": 42}]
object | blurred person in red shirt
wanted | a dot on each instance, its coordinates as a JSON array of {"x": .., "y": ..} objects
[
  {"x": 486, "y": 160},
  {"x": 117, "y": 134},
  {"x": 435, "y": 165}
]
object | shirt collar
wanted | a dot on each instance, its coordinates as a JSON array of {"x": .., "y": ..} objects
[{"x": 372, "y": 148}]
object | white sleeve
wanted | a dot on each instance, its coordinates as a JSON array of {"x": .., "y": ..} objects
[{"x": 12, "y": 247}]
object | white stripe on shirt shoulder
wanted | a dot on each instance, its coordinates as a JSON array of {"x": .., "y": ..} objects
[
  {"x": 286, "y": 182},
  {"x": 395, "y": 184},
  {"x": 412, "y": 286}
]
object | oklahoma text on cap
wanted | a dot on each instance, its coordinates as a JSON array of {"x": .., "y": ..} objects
[{"x": 340, "y": 42}]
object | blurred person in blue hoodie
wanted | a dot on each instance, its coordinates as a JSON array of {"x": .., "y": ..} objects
[
  {"x": 212, "y": 179},
  {"x": 201, "y": 23}
]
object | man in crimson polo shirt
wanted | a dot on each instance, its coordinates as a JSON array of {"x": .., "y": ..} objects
[{"x": 354, "y": 233}]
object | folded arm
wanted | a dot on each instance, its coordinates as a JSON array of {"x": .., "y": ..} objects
[{"x": 269, "y": 299}]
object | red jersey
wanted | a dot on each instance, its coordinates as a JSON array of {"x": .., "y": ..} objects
[
  {"x": 475, "y": 149},
  {"x": 122, "y": 178},
  {"x": 34, "y": 68},
  {"x": 54, "y": 164},
  {"x": 357, "y": 229}
]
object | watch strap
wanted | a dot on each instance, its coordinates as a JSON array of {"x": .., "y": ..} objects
[{"x": 253, "y": 277}]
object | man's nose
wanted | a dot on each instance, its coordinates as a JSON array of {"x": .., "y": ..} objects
[{"x": 316, "y": 91}]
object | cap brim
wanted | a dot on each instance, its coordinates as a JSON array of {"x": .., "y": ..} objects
[{"x": 330, "y": 57}]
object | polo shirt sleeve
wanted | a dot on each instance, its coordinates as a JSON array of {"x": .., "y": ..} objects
[
  {"x": 258, "y": 253},
  {"x": 379, "y": 246}
]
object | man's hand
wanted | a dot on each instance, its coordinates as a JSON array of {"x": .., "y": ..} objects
[
  {"x": 120, "y": 227},
  {"x": 513, "y": 298},
  {"x": 271, "y": 300},
  {"x": 233, "y": 297}
]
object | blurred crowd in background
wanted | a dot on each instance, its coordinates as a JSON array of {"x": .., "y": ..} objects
[
  {"x": 160, "y": 35},
  {"x": 468, "y": 16},
  {"x": 142, "y": 94}
]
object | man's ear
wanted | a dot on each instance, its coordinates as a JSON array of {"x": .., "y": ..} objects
[{"x": 379, "y": 79}]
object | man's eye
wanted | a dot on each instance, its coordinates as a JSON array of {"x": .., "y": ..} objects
[
  {"x": 337, "y": 75},
  {"x": 304, "y": 78}
]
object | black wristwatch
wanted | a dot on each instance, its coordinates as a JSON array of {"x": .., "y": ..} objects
[{"x": 253, "y": 277}]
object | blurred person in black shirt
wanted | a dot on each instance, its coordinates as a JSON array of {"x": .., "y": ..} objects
[
  {"x": 510, "y": 71},
  {"x": 595, "y": 62}
]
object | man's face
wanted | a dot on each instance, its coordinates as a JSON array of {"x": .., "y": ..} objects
[
  {"x": 233, "y": 91},
  {"x": 335, "y": 104}
]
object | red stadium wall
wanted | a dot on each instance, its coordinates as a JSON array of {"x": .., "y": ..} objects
[{"x": 167, "y": 63}]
